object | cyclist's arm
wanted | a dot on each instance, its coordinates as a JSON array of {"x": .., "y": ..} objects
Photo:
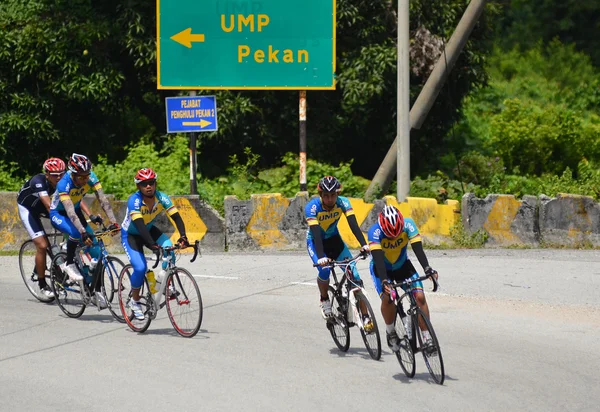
[
  {"x": 85, "y": 208},
  {"x": 179, "y": 223},
  {"x": 105, "y": 205},
  {"x": 353, "y": 223},
  {"x": 143, "y": 231},
  {"x": 70, "y": 209},
  {"x": 417, "y": 247},
  {"x": 315, "y": 231},
  {"x": 46, "y": 201},
  {"x": 379, "y": 264}
]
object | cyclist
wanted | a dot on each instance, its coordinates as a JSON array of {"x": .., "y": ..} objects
[
  {"x": 138, "y": 231},
  {"x": 388, "y": 239},
  {"x": 66, "y": 214},
  {"x": 33, "y": 202},
  {"x": 323, "y": 239}
]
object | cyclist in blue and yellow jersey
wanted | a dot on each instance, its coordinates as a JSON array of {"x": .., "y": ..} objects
[
  {"x": 66, "y": 214},
  {"x": 138, "y": 231},
  {"x": 388, "y": 239},
  {"x": 323, "y": 239}
]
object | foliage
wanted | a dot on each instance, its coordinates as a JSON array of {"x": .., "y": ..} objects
[
  {"x": 168, "y": 163},
  {"x": 438, "y": 186},
  {"x": 467, "y": 240},
  {"x": 8, "y": 181}
]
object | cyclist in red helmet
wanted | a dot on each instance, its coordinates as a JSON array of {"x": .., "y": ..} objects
[
  {"x": 323, "y": 239},
  {"x": 33, "y": 202},
  {"x": 388, "y": 239},
  {"x": 66, "y": 214},
  {"x": 143, "y": 207}
]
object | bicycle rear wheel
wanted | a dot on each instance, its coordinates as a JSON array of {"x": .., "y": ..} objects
[
  {"x": 110, "y": 283},
  {"x": 68, "y": 293},
  {"x": 406, "y": 356},
  {"x": 431, "y": 351},
  {"x": 184, "y": 303},
  {"x": 369, "y": 332},
  {"x": 27, "y": 254},
  {"x": 337, "y": 324},
  {"x": 124, "y": 294}
]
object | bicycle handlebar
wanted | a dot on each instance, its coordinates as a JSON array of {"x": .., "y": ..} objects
[
  {"x": 158, "y": 252},
  {"x": 332, "y": 263},
  {"x": 394, "y": 285}
]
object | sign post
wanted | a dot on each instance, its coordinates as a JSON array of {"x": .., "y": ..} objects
[
  {"x": 246, "y": 45},
  {"x": 190, "y": 115}
]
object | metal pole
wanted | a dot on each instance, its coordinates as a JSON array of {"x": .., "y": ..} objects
[
  {"x": 403, "y": 103},
  {"x": 303, "y": 140},
  {"x": 429, "y": 93},
  {"x": 193, "y": 166}
]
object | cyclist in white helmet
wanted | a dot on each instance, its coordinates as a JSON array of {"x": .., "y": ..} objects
[
  {"x": 388, "y": 239},
  {"x": 323, "y": 239}
]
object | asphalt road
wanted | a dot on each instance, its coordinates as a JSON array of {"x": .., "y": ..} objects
[{"x": 519, "y": 329}]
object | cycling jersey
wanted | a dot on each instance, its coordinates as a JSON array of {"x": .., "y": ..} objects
[
  {"x": 66, "y": 189},
  {"x": 327, "y": 220},
  {"x": 29, "y": 195},
  {"x": 395, "y": 249},
  {"x": 137, "y": 209}
]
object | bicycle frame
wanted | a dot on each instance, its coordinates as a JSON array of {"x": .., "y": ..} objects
[{"x": 158, "y": 300}]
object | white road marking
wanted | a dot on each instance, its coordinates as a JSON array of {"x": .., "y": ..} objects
[{"x": 217, "y": 277}]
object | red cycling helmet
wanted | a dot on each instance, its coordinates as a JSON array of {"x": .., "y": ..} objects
[
  {"x": 144, "y": 174},
  {"x": 391, "y": 222},
  {"x": 54, "y": 165},
  {"x": 79, "y": 163}
]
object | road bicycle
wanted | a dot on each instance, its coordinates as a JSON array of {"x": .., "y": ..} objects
[
  {"x": 350, "y": 306},
  {"x": 27, "y": 267},
  {"x": 178, "y": 291},
  {"x": 72, "y": 296},
  {"x": 410, "y": 325}
]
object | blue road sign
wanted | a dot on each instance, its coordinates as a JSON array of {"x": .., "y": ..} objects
[{"x": 191, "y": 114}]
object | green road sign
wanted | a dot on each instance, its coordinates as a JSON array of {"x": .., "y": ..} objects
[{"x": 261, "y": 44}]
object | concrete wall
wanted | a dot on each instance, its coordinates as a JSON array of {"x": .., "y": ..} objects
[
  {"x": 202, "y": 222},
  {"x": 564, "y": 221},
  {"x": 273, "y": 222}
]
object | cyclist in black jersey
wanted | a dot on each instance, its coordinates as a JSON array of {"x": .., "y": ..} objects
[{"x": 33, "y": 202}]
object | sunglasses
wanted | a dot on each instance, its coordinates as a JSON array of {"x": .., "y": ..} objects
[
  {"x": 150, "y": 182},
  {"x": 80, "y": 177}
]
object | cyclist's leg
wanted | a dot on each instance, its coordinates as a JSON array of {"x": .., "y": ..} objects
[
  {"x": 35, "y": 229},
  {"x": 323, "y": 273},
  {"x": 345, "y": 254},
  {"x": 388, "y": 309},
  {"x": 163, "y": 240},
  {"x": 64, "y": 225},
  {"x": 133, "y": 246}
]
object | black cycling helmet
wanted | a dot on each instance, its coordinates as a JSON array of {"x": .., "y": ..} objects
[
  {"x": 79, "y": 163},
  {"x": 329, "y": 184}
]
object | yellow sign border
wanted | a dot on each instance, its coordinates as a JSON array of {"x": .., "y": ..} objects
[{"x": 159, "y": 87}]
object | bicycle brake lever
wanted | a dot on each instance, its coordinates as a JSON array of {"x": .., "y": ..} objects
[
  {"x": 436, "y": 285},
  {"x": 157, "y": 254},
  {"x": 196, "y": 247}
]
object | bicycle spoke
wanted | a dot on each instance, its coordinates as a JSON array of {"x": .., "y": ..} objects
[{"x": 185, "y": 307}]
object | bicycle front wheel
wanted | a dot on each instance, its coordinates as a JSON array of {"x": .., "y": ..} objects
[
  {"x": 110, "y": 283},
  {"x": 184, "y": 303},
  {"x": 124, "y": 295},
  {"x": 431, "y": 349},
  {"x": 337, "y": 324},
  {"x": 68, "y": 293},
  {"x": 29, "y": 274},
  {"x": 406, "y": 356},
  {"x": 369, "y": 331}
]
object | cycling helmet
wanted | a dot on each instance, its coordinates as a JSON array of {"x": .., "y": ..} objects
[
  {"x": 329, "y": 184},
  {"x": 54, "y": 165},
  {"x": 79, "y": 163},
  {"x": 391, "y": 222},
  {"x": 144, "y": 174}
]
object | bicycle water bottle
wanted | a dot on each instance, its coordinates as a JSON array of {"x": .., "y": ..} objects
[
  {"x": 93, "y": 264},
  {"x": 151, "y": 281},
  {"x": 408, "y": 326}
]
